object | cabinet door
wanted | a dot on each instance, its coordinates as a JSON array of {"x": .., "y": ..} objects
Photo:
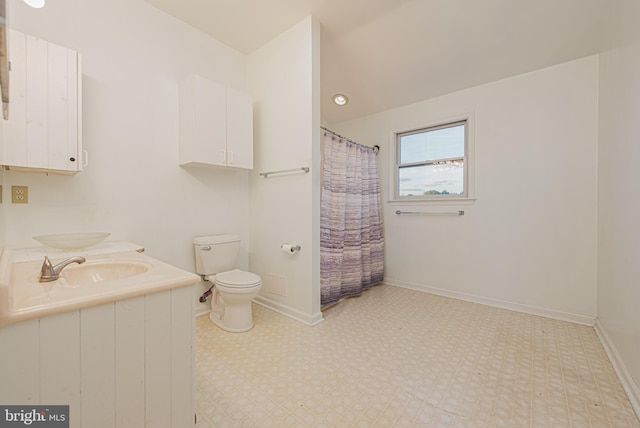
[
  {"x": 43, "y": 130},
  {"x": 14, "y": 130},
  {"x": 63, "y": 131},
  {"x": 239, "y": 129},
  {"x": 202, "y": 122},
  {"x": 37, "y": 70}
]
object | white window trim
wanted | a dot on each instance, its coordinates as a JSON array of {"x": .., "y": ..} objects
[{"x": 470, "y": 166}]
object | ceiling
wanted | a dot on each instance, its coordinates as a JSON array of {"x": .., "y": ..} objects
[{"x": 387, "y": 53}]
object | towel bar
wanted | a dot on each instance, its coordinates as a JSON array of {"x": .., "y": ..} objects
[
  {"x": 398, "y": 212},
  {"x": 304, "y": 169}
]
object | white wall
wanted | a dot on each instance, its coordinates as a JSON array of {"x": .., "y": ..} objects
[
  {"x": 618, "y": 190},
  {"x": 283, "y": 77},
  {"x": 529, "y": 240},
  {"x": 133, "y": 57},
  {"x": 4, "y": 201}
]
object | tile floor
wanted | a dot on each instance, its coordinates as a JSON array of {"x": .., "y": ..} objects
[{"x": 401, "y": 358}]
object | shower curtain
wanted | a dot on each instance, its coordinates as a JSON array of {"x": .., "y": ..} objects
[{"x": 351, "y": 241}]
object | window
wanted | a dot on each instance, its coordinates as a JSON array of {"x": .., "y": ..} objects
[{"x": 433, "y": 163}]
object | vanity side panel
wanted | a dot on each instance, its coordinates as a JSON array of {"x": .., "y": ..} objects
[
  {"x": 129, "y": 369},
  {"x": 19, "y": 368},
  {"x": 97, "y": 350},
  {"x": 157, "y": 324},
  {"x": 60, "y": 363},
  {"x": 182, "y": 356}
]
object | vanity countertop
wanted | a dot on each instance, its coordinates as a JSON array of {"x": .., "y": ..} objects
[{"x": 23, "y": 297}]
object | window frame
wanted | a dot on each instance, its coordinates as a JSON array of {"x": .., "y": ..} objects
[{"x": 468, "y": 159}]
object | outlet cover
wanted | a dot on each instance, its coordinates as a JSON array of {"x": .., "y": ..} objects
[{"x": 19, "y": 195}]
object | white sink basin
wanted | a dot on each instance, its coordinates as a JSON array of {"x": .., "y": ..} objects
[
  {"x": 101, "y": 271},
  {"x": 105, "y": 277}
]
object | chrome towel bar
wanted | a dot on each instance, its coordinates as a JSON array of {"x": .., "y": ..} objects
[
  {"x": 304, "y": 169},
  {"x": 398, "y": 212}
]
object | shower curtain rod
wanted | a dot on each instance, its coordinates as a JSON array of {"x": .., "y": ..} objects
[{"x": 375, "y": 148}]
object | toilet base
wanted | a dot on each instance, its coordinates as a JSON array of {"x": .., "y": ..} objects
[{"x": 238, "y": 319}]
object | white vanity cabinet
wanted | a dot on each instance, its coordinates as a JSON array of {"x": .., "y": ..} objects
[
  {"x": 43, "y": 131},
  {"x": 118, "y": 349},
  {"x": 122, "y": 364},
  {"x": 216, "y": 125}
]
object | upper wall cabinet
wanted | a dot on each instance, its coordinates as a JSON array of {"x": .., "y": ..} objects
[
  {"x": 216, "y": 125},
  {"x": 43, "y": 132}
]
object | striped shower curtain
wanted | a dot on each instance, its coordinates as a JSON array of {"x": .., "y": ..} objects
[{"x": 351, "y": 241}]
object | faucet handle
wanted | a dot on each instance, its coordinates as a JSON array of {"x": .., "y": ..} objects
[{"x": 47, "y": 267}]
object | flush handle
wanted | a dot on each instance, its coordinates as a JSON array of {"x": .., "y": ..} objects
[{"x": 207, "y": 248}]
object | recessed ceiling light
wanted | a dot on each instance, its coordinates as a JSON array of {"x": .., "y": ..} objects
[
  {"x": 340, "y": 99},
  {"x": 35, "y": 3}
]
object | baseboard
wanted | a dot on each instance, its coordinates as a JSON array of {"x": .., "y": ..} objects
[
  {"x": 309, "y": 319},
  {"x": 202, "y": 310},
  {"x": 503, "y": 304},
  {"x": 628, "y": 383}
]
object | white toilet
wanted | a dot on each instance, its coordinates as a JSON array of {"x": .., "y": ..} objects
[{"x": 234, "y": 289}]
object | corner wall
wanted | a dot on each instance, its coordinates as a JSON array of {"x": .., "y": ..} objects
[
  {"x": 283, "y": 77},
  {"x": 618, "y": 196}
]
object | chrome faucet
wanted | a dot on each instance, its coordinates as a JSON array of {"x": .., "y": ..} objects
[{"x": 51, "y": 273}]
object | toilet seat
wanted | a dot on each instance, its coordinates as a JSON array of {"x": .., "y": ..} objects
[{"x": 237, "y": 279}]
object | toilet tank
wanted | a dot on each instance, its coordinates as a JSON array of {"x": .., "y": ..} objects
[{"x": 216, "y": 253}]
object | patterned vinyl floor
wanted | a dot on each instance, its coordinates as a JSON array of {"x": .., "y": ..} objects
[{"x": 401, "y": 358}]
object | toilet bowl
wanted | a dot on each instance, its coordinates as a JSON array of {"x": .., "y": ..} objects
[
  {"x": 233, "y": 289},
  {"x": 233, "y": 292}
]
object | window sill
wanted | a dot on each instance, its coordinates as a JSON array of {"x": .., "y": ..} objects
[{"x": 447, "y": 201}]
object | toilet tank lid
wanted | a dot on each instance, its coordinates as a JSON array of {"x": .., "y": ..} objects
[{"x": 215, "y": 239}]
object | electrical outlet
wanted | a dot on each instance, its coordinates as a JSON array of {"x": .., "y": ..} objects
[{"x": 19, "y": 195}]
